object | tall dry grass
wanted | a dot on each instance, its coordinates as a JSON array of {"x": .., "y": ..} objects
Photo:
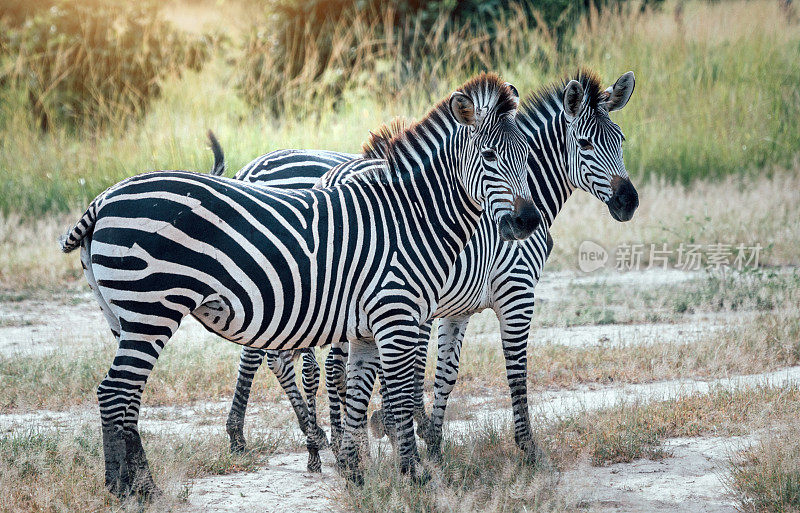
[{"x": 716, "y": 95}]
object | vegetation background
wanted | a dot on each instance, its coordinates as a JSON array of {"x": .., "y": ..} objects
[
  {"x": 93, "y": 91},
  {"x": 97, "y": 90}
]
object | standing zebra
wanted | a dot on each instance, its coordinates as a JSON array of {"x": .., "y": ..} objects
[
  {"x": 574, "y": 144},
  {"x": 365, "y": 261}
]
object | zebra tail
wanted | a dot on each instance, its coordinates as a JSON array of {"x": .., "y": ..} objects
[
  {"x": 85, "y": 225},
  {"x": 219, "y": 157}
]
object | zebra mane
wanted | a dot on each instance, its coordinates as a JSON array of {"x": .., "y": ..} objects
[
  {"x": 377, "y": 146},
  {"x": 384, "y": 143},
  {"x": 553, "y": 95}
]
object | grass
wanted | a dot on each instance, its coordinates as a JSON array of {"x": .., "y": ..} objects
[
  {"x": 631, "y": 431},
  {"x": 715, "y": 97},
  {"x": 196, "y": 366},
  {"x": 187, "y": 371},
  {"x": 607, "y": 301},
  {"x": 482, "y": 471},
  {"x": 671, "y": 214},
  {"x": 764, "y": 335},
  {"x": 766, "y": 477},
  {"x": 63, "y": 471}
]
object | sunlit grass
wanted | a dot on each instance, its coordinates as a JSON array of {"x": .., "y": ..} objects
[{"x": 716, "y": 94}]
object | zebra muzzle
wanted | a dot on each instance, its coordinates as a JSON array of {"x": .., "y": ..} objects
[
  {"x": 520, "y": 223},
  {"x": 624, "y": 200}
]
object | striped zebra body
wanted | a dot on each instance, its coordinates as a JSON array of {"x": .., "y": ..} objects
[
  {"x": 490, "y": 273},
  {"x": 285, "y": 269}
]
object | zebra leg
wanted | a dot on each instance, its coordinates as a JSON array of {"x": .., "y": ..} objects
[
  {"x": 420, "y": 415},
  {"x": 362, "y": 367},
  {"x": 126, "y": 467},
  {"x": 142, "y": 480},
  {"x": 335, "y": 381},
  {"x": 514, "y": 328},
  {"x": 249, "y": 362},
  {"x": 382, "y": 422},
  {"x": 451, "y": 335},
  {"x": 281, "y": 363},
  {"x": 316, "y": 435},
  {"x": 397, "y": 343}
]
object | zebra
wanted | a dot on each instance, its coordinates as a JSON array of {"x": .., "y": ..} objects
[
  {"x": 573, "y": 145},
  {"x": 364, "y": 261}
]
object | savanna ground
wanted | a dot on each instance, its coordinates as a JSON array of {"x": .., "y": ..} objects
[{"x": 651, "y": 390}]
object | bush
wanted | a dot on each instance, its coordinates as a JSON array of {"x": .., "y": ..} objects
[
  {"x": 323, "y": 44},
  {"x": 82, "y": 63}
]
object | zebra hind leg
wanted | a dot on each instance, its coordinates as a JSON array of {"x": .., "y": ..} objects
[
  {"x": 126, "y": 467},
  {"x": 316, "y": 436},
  {"x": 249, "y": 362},
  {"x": 142, "y": 482}
]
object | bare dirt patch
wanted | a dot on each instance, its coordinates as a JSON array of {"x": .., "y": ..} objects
[
  {"x": 691, "y": 480},
  {"x": 283, "y": 484}
]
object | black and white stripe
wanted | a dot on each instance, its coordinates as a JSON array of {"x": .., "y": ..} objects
[
  {"x": 365, "y": 261},
  {"x": 574, "y": 147}
]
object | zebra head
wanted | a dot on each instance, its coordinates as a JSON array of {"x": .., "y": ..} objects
[
  {"x": 495, "y": 173},
  {"x": 594, "y": 144}
]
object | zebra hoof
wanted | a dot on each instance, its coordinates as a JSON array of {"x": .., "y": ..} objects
[
  {"x": 117, "y": 474},
  {"x": 235, "y": 432},
  {"x": 418, "y": 474},
  {"x": 147, "y": 492},
  {"x": 424, "y": 427},
  {"x": 238, "y": 444},
  {"x": 422, "y": 477},
  {"x": 314, "y": 462}
]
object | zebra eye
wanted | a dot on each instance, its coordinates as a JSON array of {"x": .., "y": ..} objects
[
  {"x": 585, "y": 145},
  {"x": 489, "y": 155}
]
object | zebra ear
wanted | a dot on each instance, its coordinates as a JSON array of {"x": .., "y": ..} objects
[
  {"x": 620, "y": 92},
  {"x": 515, "y": 94},
  {"x": 573, "y": 100},
  {"x": 463, "y": 109}
]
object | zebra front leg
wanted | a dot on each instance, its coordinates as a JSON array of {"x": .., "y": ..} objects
[
  {"x": 249, "y": 362},
  {"x": 420, "y": 415},
  {"x": 514, "y": 330},
  {"x": 119, "y": 394},
  {"x": 335, "y": 382},
  {"x": 382, "y": 422},
  {"x": 362, "y": 367},
  {"x": 397, "y": 343},
  {"x": 450, "y": 338},
  {"x": 316, "y": 435}
]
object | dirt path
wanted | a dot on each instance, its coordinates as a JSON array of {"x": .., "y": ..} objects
[
  {"x": 283, "y": 485},
  {"x": 692, "y": 480}
]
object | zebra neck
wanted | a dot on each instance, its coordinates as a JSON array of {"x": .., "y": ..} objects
[
  {"x": 432, "y": 182},
  {"x": 548, "y": 179}
]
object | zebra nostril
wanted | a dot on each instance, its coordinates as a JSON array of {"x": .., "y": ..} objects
[{"x": 527, "y": 216}]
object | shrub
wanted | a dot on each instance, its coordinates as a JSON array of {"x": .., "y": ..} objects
[
  {"x": 318, "y": 46},
  {"x": 92, "y": 63}
]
